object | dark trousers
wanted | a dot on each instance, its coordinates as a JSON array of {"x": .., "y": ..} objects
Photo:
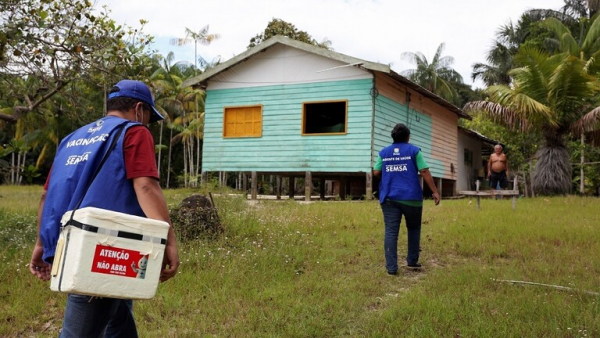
[
  {"x": 392, "y": 216},
  {"x": 498, "y": 178},
  {"x": 87, "y": 316}
]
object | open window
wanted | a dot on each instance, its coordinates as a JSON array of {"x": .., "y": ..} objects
[
  {"x": 324, "y": 118},
  {"x": 242, "y": 121}
]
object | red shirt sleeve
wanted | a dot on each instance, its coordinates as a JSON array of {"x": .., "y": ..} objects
[
  {"x": 138, "y": 150},
  {"x": 48, "y": 179}
]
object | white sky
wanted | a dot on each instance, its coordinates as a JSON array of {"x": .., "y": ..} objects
[{"x": 375, "y": 30}]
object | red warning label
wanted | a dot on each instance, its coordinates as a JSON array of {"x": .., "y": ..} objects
[{"x": 118, "y": 261}]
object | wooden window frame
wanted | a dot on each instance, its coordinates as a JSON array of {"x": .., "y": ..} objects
[
  {"x": 225, "y": 111},
  {"x": 303, "y": 133}
]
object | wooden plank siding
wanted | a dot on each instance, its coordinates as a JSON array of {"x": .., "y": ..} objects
[
  {"x": 433, "y": 128},
  {"x": 282, "y": 148}
]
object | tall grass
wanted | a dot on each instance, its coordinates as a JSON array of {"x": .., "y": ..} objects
[{"x": 291, "y": 269}]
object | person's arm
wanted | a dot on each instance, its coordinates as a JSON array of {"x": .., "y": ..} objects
[
  {"x": 377, "y": 167},
  {"x": 489, "y": 168},
  {"x": 507, "y": 172},
  {"x": 37, "y": 266},
  {"x": 426, "y": 174},
  {"x": 152, "y": 201}
]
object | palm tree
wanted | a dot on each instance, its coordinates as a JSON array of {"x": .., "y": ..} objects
[
  {"x": 584, "y": 46},
  {"x": 438, "y": 76},
  {"x": 554, "y": 96},
  {"x": 184, "y": 107},
  {"x": 166, "y": 81},
  {"x": 511, "y": 36},
  {"x": 581, "y": 8},
  {"x": 202, "y": 36},
  {"x": 189, "y": 129},
  {"x": 500, "y": 57}
]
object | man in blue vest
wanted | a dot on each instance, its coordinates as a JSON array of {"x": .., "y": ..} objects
[
  {"x": 401, "y": 194},
  {"x": 127, "y": 183}
]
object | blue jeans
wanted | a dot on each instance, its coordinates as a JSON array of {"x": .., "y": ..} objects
[
  {"x": 392, "y": 216},
  {"x": 87, "y": 316}
]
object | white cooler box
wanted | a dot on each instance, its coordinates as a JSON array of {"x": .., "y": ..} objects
[{"x": 109, "y": 254}]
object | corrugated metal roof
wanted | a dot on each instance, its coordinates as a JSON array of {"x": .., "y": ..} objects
[
  {"x": 203, "y": 78},
  {"x": 475, "y": 134}
]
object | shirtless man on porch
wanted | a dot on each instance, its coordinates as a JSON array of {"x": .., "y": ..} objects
[{"x": 498, "y": 168}]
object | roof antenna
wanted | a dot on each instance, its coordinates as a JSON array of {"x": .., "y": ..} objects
[{"x": 348, "y": 65}]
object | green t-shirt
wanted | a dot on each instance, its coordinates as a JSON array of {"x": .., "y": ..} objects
[{"x": 421, "y": 164}]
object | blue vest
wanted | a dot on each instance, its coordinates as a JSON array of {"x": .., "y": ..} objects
[
  {"x": 399, "y": 173},
  {"x": 77, "y": 157}
]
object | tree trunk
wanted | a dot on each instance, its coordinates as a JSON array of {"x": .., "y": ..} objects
[
  {"x": 159, "y": 147},
  {"x": 581, "y": 173},
  {"x": 13, "y": 168},
  {"x": 169, "y": 159},
  {"x": 553, "y": 171},
  {"x": 191, "y": 158},
  {"x": 531, "y": 173},
  {"x": 21, "y": 168},
  {"x": 199, "y": 150},
  {"x": 593, "y": 7},
  {"x": 185, "y": 170}
]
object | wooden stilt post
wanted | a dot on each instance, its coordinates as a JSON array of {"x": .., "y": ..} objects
[
  {"x": 204, "y": 177},
  {"x": 477, "y": 189},
  {"x": 307, "y": 185},
  {"x": 369, "y": 187},
  {"x": 278, "y": 187},
  {"x": 254, "y": 192},
  {"x": 245, "y": 184},
  {"x": 516, "y": 188},
  {"x": 323, "y": 188},
  {"x": 291, "y": 186}
]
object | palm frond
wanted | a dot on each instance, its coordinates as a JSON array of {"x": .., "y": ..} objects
[
  {"x": 541, "y": 14},
  {"x": 569, "y": 44},
  {"x": 589, "y": 122},
  {"x": 592, "y": 36},
  {"x": 415, "y": 58},
  {"x": 570, "y": 82},
  {"x": 180, "y": 41},
  {"x": 176, "y": 139},
  {"x": 555, "y": 26},
  {"x": 438, "y": 54},
  {"x": 498, "y": 114}
]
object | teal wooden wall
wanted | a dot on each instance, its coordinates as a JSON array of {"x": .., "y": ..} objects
[
  {"x": 387, "y": 114},
  {"x": 282, "y": 148}
]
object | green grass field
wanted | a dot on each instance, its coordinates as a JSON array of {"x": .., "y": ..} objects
[{"x": 290, "y": 269}]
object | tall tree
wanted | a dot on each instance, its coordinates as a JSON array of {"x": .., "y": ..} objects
[
  {"x": 280, "y": 27},
  {"x": 183, "y": 106},
  {"x": 202, "y": 37},
  {"x": 437, "y": 76},
  {"x": 500, "y": 56},
  {"x": 581, "y": 8},
  {"x": 57, "y": 43},
  {"x": 511, "y": 36},
  {"x": 551, "y": 95}
]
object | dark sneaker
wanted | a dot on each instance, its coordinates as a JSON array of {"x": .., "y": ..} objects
[
  {"x": 416, "y": 266},
  {"x": 392, "y": 273}
]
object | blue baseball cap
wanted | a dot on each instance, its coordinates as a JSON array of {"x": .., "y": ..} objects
[{"x": 137, "y": 90}]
